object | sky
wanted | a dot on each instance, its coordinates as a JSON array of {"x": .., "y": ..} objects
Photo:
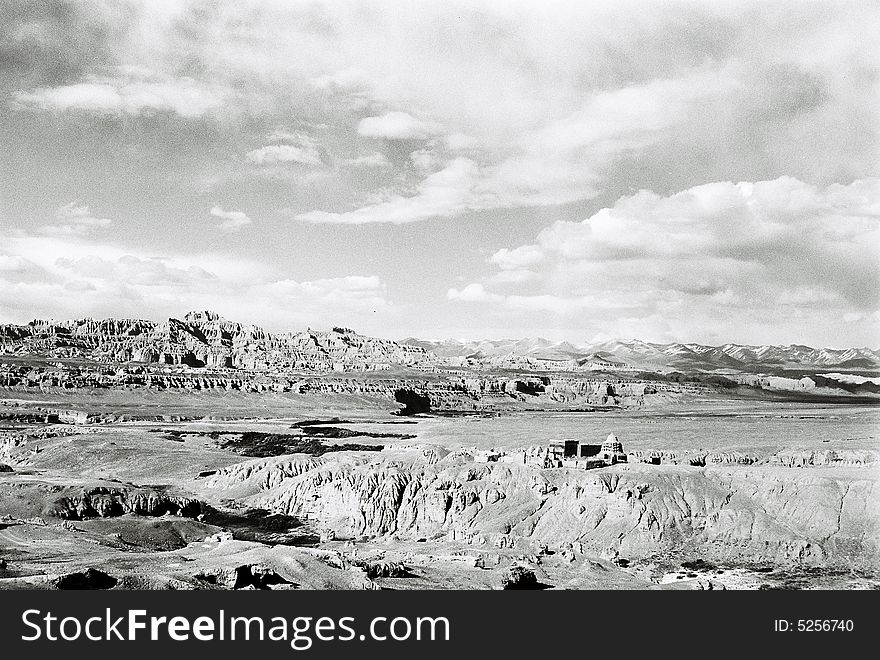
[{"x": 669, "y": 171}]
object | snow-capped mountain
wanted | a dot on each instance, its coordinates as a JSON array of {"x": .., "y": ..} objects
[{"x": 637, "y": 354}]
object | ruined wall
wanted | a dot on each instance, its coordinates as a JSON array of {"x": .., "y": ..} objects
[{"x": 737, "y": 512}]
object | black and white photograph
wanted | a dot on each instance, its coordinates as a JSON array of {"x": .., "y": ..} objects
[{"x": 473, "y": 295}]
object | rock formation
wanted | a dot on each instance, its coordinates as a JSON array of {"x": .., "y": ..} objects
[
  {"x": 621, "y": 356},
  {"x": 104, "y": 501},
  {"x": 205, "y": 339},
  {"x": 726, "y": 511}
]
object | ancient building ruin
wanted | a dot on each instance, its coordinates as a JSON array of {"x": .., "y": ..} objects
[{"x": 579, "y": 454}]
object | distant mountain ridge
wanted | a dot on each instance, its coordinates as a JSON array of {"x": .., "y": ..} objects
[
  {"x": 646, "y": 355},
  {"x": 204, "y": 338}
]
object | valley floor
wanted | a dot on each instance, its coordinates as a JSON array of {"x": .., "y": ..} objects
[{"x": 746, "y": 495}]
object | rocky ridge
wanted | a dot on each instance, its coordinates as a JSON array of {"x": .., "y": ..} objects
[
  {"x": 205, "y": 339},
  {"x": 819, "y": 515},
  {"x": 449, "y": 392},
  {"x": 614, "y": 355}
]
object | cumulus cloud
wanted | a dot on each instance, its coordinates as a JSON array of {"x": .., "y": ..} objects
[
  {"x": 396, "y": 126},
  {"x": 517, "y": 258},
  {"x": 556, "y": 163},
  {"x": 555, "y": 124},
  {"x": 133, "y": 270},
  {"x": 354, "y": 290},
  {"x": 375, "y": 159},
  {"x": 51, "y": 277},
  {"x": 781, "y": 225},
  {"x": 296, "y": 147},
  {"x": 294, "y": 137},
  {"x": 519, "y": 114},
  {"x": 12, "y": 263},
  {"x": 130, "y": 91},
  {"x": 745, "y": 255},
  {"x": 461, "y": 142},
  {"x": 350, "y": 78},
  {"x": 284, "y": 153},
  {"x": 566, "y": 160},
  {"x": 444, "y": 193},
  {"x": 74, "y": 219},
  {"x": 474, "y": 292},
  {"x": 232, "y": 220}
]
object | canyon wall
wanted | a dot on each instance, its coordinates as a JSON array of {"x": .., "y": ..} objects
[
  {"x": 204, "y": 339},
  {"x": 822, "y": 516}
]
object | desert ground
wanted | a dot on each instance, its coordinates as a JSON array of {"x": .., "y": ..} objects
[{"x": 207, "y": 490}]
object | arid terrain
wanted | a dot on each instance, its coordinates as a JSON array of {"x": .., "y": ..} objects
[{"x": 201, "y": 453}]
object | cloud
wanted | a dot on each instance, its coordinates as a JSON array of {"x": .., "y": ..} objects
[
  {"x": 52, "y": 277},
  {"x": 351, "y": 78},
  {"x": 585, "y": 100},
  {"x": 375, "y": 159},
  {"x": 461, "y": 142},
  {"x": 133, "y": 270},
  {"x": 396, "y": 126},
  {"x": 520, "y": 114},
  {"x": 74, "y": 219},
  {"x": 425, "y": 160},
  {"x": 444, "y": 193},
  {"x": 768, "y": 223},
  {"x": 730, "y": 259},
  {"x": 521, "y": 257},
  {"x": 295, "y": 137},
  {"x": 353, "y": 290},
  {"x": 564, "y": 305},
  {"x": 554, "y": 117},
  {"x": 284, "y": 153},
  {"x": 560, "y": 162},
  {"x": 232, "y": 220},
  {"x": 474, "y": 292},
  {"x": 12, "y": 264},
  {"x": 129, "y": 91}
]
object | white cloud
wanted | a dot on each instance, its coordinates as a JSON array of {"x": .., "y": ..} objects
[
  {"x": 461, "y": 142},
  {"x": 284, "y": 153},
  {"x": 563, "y": 305},
  {"x": 12, "y": 264},
  {"x": 294, "y": 137},
  {"x": 375, "y": 159},
  {"x": 474, "y": 292},
  {"x": 232, "y": 220},
  {"x": 521, "y": 257},
  {"x": 551, "y": 104},
  {"x": 425, "y": 161},
  {"x": 737, "y": 260},
  {"x": 442, "y": 194},
  {"x": 130, "y": 91},
  {"x": 351, "y": 78},
  {"x": 132, "y": 270},
  {"x": 565, "y": 160},
  {"x": 556, "y": 163},
  {"x": 50, "y": 277},
  {"x": 362, "y": 292},
  {"x": 396, "y": 126},
  {"x": 74, "y": 219},
  {"x": 768, "y": 223}
]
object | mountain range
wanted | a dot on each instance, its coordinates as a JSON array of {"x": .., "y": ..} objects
[
  {"x": 205, "y": 338},
  {"x": 646, "y": 355}
]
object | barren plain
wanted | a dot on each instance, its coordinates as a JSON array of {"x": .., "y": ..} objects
[{"x": 384, "y": 467}]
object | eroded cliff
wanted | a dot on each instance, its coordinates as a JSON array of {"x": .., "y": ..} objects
[{"x": 823, "y": 515}]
